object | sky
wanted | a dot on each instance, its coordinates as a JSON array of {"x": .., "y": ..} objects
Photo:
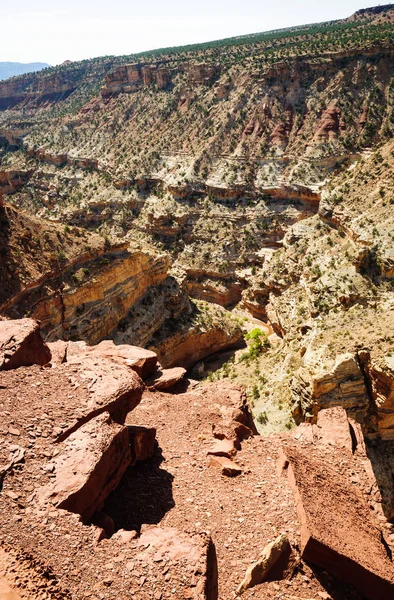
[{"x": 78, "y": 29}]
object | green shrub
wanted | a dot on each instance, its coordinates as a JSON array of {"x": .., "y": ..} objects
[
  {"x": 259, "y": 343},
  {"x": 262, "y": 418}
]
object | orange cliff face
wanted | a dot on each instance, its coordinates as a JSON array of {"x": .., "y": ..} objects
[{"x": 130, "y": 78}]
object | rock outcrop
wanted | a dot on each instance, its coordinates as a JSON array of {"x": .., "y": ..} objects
[
  {"x": 379, "y": 372},
  {"x": 92, "y": 308},
  {"x": 201, "y": 73},
  {"x": 130, "y": 78},
  {"x": 330, "y": 125},
  {"x": 143, "y": 362},
  {"x": 48, "y": 87},
  {"x": 322, "y": 384},
  {"x": 190, "y": 343},
  {"x": 362, "y": 383},
  {"x": 21, "y": 345},
  {"x": 89, "y": 467},
  {"x": 164, "y": 379},
  {"x": 192, "y": 557},
  {"x": 90, "y": 499},
  {"x": 276, "y": 551},
  {"x": 13, "y": 179}
]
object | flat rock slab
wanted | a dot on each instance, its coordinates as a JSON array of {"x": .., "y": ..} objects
[
  {"x": 165, "y": 379},
  {"x": 90, "y": 466},
  {"x": 143, "y": 362},
  {"x": 223, "y": 447},
  {"x": 21, "y": 345},
  {"x": 52, "y": 403},
  {"x": 112, "y": 387},
  {"x": 337, "y": 530},
  {"x": 227, "y": 466},
  {"x": 191, "y": 560}
]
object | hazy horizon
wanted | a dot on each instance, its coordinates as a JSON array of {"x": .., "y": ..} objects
[{"x": 88, "y": 30}]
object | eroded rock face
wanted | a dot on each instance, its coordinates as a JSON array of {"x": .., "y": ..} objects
[
  {"x": 212, "y": 288},
  {"x": 112, "y": 387},
  {"x": 380, "y": 376},
  {"x": 11, "y": 180},
  {"x": 27, "y": 89},
  {"x": 142, "y": 442},
  {"x": 330, "y": 124},
  {"x": 21, "y": 344},
  {"x": 130, "y": 78},
  {"x": 322, "y": 383},
  {"x": 201, "y": 73},
  {"x": 94, "y": 291},
  {"x": 362, "y": 383},
  {"x": 92, "y": 310},
  {"x": 188, "y": 347}
]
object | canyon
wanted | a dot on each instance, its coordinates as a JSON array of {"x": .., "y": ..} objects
[{"x": 196, "y": 315}]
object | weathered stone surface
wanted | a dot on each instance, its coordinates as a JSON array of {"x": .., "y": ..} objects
[
  {"x": 333, "y": 428},
  {"x": 21, "y": 344},
  {"x": 225, "y": 293},
  {"x": 113, "y": 387},
  {"x": 130, "y": 78},
  {"x": 142, "y": 442},
  {"x": 164, "y": 379},
  {"x": 330, "y": 124},
  {"x": 236, "y": 423},
  {"x": 275, "y": 551},
  {"x": 91, "y": 310},
  {"x": 89, "y": 468},
  {"x": 337, "y": 530},
  {"x": 11, "y": 180},
  {"x": 201, "y": 73},
  {"x": 223, "y": 447},
  {"x": 192, "y": 557},
  {"x": 123, "y": 537},
  {"x": 7, "y": 593},
  {"x": 227, "y": 466},
  {"x": 230, "y": 430},
  {"x": 58, "y": 351}
]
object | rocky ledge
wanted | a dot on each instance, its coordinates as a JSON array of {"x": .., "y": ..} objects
[{"x": 110, "y": 487}]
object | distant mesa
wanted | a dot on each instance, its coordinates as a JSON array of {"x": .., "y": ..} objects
[{"x": 10, "y": 69}]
